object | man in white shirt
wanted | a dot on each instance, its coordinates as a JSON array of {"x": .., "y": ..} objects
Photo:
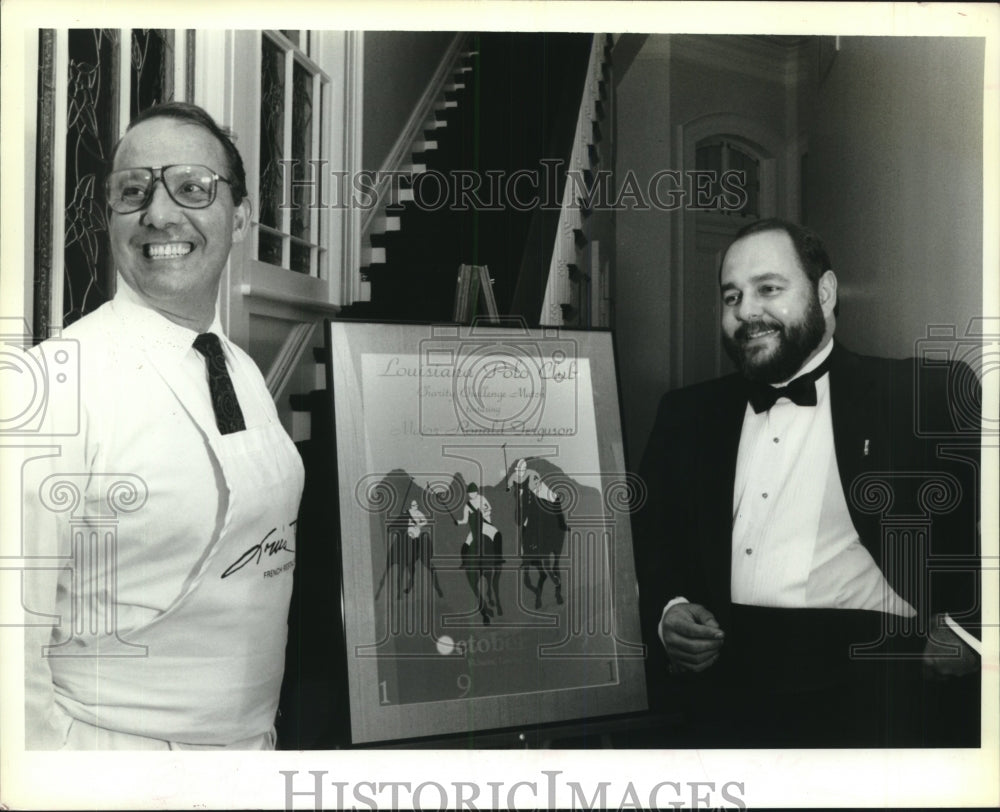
[
  {"x": 786, "y": 553},
  {"x": 168, "y": 520}
]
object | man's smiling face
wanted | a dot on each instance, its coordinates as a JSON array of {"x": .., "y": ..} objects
[
  {"x": 170, "y": 255},
  {"x": 773, "y": 320}
]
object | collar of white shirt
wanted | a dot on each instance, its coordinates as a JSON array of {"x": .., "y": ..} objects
[{"x": 156, "y": 331}]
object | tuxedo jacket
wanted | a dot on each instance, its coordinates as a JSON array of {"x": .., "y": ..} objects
[{"x": 906, "y": 437}]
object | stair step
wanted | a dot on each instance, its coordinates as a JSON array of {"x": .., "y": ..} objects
[
  {"x": 405, "y": 196},
  {"x": 453, "y": 86},
  {"x": 435, "y": 124},
  {"x": 319, "y": 371},
  {"x": 424, "y": 146},
  {"x": 447, "y": 104},
  {"x": 415, "y": 169},
  {"x": 382, "y": 224},
  {"x": 371, "y": 255}
]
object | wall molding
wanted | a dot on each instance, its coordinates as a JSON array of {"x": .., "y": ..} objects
[
  {"x": 44, "y": 181},
  {"x": 304, "y": 302},
  {"x": 353, "y": 230}
]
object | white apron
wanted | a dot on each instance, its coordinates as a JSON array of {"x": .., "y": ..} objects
[{"x": 216, "y": 656}]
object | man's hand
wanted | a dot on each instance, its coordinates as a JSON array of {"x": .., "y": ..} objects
[
  {"x": 941, "y": 660},
  {"x": 691, "y": 636}
]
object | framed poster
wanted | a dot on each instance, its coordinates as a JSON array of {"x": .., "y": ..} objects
[{"x": 488, "y": 574}]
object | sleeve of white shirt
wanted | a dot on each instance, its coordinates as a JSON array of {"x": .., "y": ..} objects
[
  {"x": 670, "y": 604},
  {"x": 46, "y": 539},
  {"x": 963, "y": 635}
]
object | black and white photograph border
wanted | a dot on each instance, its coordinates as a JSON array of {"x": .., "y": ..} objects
[{"x": 513, "y": 778}]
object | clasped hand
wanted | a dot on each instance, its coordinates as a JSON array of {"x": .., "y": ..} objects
[{"x": 691, "y": 636}]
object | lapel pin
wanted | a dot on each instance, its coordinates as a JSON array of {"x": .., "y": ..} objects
[{"x": 866, "y": 447}]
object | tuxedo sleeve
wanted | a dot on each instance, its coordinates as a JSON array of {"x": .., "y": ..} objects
[
  {"x": 666, "y": 546},
  {"x": 950, "y": 408},
  {"x": 921, "y": 417}
]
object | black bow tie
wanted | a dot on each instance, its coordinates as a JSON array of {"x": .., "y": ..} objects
[{"x": 801, "y": 391}]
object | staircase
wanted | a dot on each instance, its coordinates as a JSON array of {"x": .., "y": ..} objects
[
  {"x": 407, "y": 161},
  {"x": 485, "y": 165},
  {"x": 578, "y": 285}
]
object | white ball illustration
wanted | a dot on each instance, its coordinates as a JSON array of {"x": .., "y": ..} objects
[{"x": 445, "y": 645}]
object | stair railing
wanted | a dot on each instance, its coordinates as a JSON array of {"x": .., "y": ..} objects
[{"x": 577, "y": 289}]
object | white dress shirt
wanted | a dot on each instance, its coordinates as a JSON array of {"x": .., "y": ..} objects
[{"x": 794, "y": 544}]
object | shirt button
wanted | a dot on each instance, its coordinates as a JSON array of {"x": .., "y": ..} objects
[
  {"x": 776, "y": 440},
  {"x": 764, "y": 495},
  {"x": 749, "y": 551}
]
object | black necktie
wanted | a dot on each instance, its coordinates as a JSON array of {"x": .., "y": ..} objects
[
  {"x": 228, "y": 415},
  {"x": 801, "y": 391}
]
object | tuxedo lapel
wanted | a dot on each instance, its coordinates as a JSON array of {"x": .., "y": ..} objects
[
  {"x": 722, "y": 424},
  {"x": 854, "y": 408}
]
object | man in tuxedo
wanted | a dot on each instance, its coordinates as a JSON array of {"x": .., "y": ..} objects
[{"x": 808, "y": 559}]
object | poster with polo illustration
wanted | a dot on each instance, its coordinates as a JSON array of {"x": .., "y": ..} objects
[{"x": 485, "y": 541}]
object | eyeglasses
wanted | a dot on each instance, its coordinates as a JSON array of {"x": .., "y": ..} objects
[{"x": 189, "y": 185}]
